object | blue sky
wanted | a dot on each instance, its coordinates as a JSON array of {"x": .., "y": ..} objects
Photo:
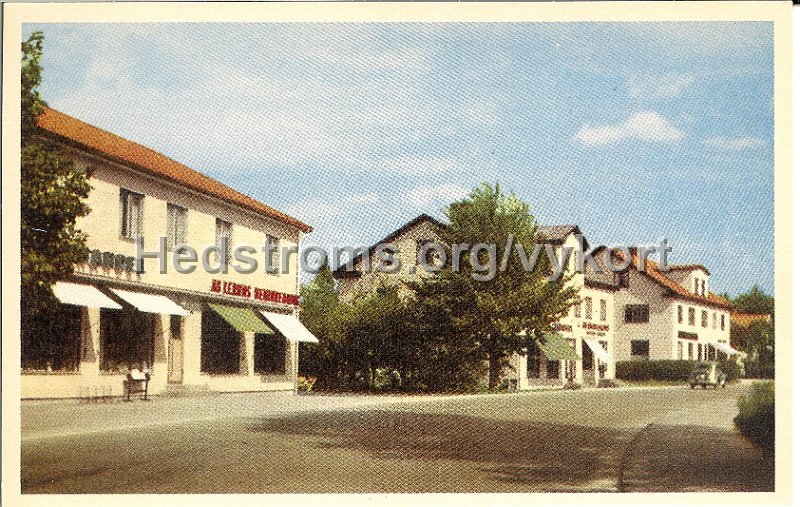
[{"x": 634, "y": 131}]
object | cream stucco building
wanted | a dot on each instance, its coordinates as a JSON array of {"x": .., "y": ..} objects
[{"x": 225, "y": 331}]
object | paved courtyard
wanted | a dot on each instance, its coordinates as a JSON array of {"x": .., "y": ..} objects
[{"x": 647, "y": 439}]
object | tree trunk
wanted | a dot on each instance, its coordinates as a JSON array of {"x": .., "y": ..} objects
[{"x": 494, "y": 370}]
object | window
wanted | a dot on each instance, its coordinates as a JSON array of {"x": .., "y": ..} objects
[
  {"x": 431, "y": 255},
  {"x": 127, "y": 340},
  {"x": 691, "y": 316},
  {"x": 704, "y": 318},
  {"x": 553, "y": 369},
  {"x": 603, "y": 315},
  {"x": 703, "y": 287},
  {"x": 621, "y": 279},
  {"x": 696, "y": 286},
  {"x": 534, "y": 361},
  {"x": 274, "y": 256},
  {"x": 637, "y": 314},
  {"x": 714, "y": 320},
  {"x": 680, "y": 314},
  {"x": 578, "y": 311},
  {"x": 224, "y": 231},
  {"x": 640, "y": 348},
  {"x": 680, "y": 349},
  {"x": 269, "y": 354},
  {"x": 131, "y": 213},
  {"x": 722, "y": 322},
  {"x": 690, "y": 351},
  {"x": 176, "y": 226},
  {"x": 52, "y": 340},
  {"x": 589, "y": 309}
]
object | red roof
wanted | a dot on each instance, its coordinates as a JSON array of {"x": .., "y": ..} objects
[{"x": 129, "y": 153}]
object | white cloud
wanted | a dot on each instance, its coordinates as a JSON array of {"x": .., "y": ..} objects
[
  {"x": 645, "y": 125},
  {"x": 659, "y": 87},
  {"x": 426, "y": 195},
  {"x": 733, "y": 143}
]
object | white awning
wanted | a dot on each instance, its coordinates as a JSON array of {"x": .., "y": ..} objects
[
  {"x": 83, "y": 295},
  {"x": 726, "y": 349},
  {"x": 291, "y": 328},
  {"x": 150, "y": 303},
  {"x": 598, "y": 351}
]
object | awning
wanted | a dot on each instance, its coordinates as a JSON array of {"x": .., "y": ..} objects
[
  {"x": 242, "y": 319},
  {"x": 290, "y": 327},
  {"x": 600, "y": 353},
  {"x": 150, "y": 303},
  {"x": 555, "y": 347},
  {"x": 726, "y": 349},
  {"x": 83, "y": 295}
]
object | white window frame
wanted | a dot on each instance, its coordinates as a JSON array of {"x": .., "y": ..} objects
[
  {"x": 131, "y": 213},
  {"x": 177, "y": 217}
]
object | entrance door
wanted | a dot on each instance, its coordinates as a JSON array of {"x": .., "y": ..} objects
[{"x": 175, "y": 363}]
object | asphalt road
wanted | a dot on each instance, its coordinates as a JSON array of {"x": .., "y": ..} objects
[{"x": 659, "y": 439}]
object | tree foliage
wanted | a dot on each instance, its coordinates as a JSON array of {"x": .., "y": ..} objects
[
  {"x": 516, "y": 304},
  {"x": 754, "y": 301},
  {"x": 53, "y": 190}
]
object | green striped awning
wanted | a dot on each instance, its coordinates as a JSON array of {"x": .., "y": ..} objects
[
  {"x": 555, "y": 347},
  {"x": 242, "y": 319}
]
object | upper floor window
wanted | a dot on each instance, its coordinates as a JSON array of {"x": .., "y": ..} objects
[
  {"x": 722, "y": 322},
  {"x": 223, "y": 235},
  {"x": 714, "y": 320},
  {"x": 131, "y": 207},
  {"x": 176, "y": 226},
  {"x": 703, "y": 288},
  {"x": 621, "y": 278},
  {"x": 704, "y": 318},
  {"x": 640, "y": 348},
  {"x": 273, "y": 243},
  {"x": 637, "y": 314},
  {"x": 603, "y": 310},
  {"x": 691, "y": 316},
  {"x": 696, "y": 286},
  {"x": 589, "y": 309},
  {"x": 578, "y": 310},
  {"x": 680, "y": 314}
]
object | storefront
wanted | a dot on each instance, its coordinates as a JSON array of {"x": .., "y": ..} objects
[{"x": 197, "y": 329}]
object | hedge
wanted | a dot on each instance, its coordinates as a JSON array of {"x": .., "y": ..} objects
[
  {"x": 662, "y": 369},
  {"x": 756, "y": 418}
]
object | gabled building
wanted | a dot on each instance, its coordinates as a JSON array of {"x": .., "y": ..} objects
[{"x": 225, "y": 331}]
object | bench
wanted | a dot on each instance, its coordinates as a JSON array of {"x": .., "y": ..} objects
[{"x": 136, "y": 383}]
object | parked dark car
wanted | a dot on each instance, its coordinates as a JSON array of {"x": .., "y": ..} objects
[{"x": 707, "y": 374}]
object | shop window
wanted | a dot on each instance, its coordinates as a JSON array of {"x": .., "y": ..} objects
[
  {"x": 131, "y": 213},
  {"x": 704, "y": 318},
  {"x": 637, "y": 314},
  {"x": 640, "y": 349},
  {"x": 175, "y": 323},
  {"x": 589, "y": 309},
  {"x": 534, "y": 360},
  {"x": 553, "y": 369},
  {"x": 690, "y": 351},
  {"x": 680, "y": 349},
  {"x": 219, "y": 345},
  {"x": 126, "y": 340},
  {"x": 176, "y": 226},
  {"x": 691, "y": 316},
  {"x": 680, "y": 314},
  {"x": 603, "y": 310},
  {"x": 51, "y": 341},
  {"x": 269, "y": 354}
]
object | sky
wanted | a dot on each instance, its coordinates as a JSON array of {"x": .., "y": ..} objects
[{"x": 633, "y": 131}]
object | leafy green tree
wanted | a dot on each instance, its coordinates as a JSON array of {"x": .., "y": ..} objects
[
  {"x": 517, "y": 303},
  {"x": 755, "y": 301},
  {"x": 53, "y": 190},
  {"x": 326, "y": 317}
]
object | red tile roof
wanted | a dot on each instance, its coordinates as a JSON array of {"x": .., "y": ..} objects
[
  {"x": 97, "y": 140},
  {"x": 689, "y": 267},
  {"x": 745, "y": 319}
]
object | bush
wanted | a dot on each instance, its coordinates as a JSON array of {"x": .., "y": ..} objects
[
  {"x": 606, "y": 383},
  {"x": 731, "y": 369},
  {"x": 664, "y": 369},
  {"x": 756, "y": 418}
]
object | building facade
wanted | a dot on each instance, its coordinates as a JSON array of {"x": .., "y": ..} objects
[{"x": 221, "y": 331}]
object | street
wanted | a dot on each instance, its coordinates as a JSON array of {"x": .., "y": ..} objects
[{"x": 632, "y": 439}]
